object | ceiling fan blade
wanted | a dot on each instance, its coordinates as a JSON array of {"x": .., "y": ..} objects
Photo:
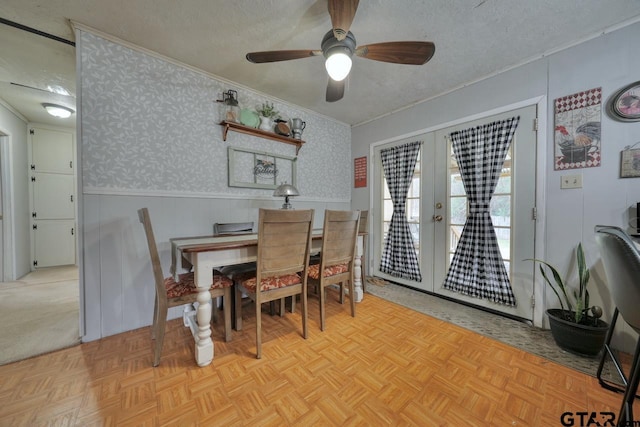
[
  {"x": 56, "y": 93},
  {"x": 342, "y": 13},
  {"x": 30, "y": 87},
  {"x": 412, "y": 53},
  {"x": 335, "y": 90},
  {"x": 280, "y": 55}
]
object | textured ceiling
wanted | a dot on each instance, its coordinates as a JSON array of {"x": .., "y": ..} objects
[{"x": 473, "y": 38}]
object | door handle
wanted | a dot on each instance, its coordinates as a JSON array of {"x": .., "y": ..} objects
[{"x": 437, "y": 218}]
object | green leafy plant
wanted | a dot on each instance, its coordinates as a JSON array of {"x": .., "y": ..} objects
[
  {"x": 574, "y": 309},
  {"x": 267, "y": 110}
]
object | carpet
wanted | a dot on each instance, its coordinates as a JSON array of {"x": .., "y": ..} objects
[{"x": 39, "y": 313}]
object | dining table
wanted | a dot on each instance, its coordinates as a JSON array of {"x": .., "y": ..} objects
[{"x": 203, "y": 254}]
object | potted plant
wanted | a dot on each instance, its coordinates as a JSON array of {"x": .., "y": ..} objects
[
  {"x": 267, "y": 114},
  {"x": 576, "y": 326}
]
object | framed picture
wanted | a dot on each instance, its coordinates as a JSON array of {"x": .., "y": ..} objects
[
  {"x": 624, "y": 105},
  {"x": 630, "y": 164},
  {"x": 577, "y": 130},
  {"x": 257, "y": 169},
  {"x": 360, "y": 172}
]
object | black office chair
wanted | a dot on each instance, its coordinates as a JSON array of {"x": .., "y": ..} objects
[{"x": 621, "y": 261}]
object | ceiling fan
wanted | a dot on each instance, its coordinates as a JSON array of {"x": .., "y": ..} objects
[{"x": 339, "y": 45}]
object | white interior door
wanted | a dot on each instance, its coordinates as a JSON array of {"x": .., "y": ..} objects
[{"x": 443, "y": 211}]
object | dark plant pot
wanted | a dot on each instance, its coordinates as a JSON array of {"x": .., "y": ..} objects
[{"x": 583, "y": 340}]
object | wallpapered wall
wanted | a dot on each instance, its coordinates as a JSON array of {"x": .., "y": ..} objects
[
  {"x": 151, "y": 125},
  {"x": 150, "y": 138}
]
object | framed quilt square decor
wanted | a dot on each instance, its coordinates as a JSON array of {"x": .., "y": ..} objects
[{"x": 577, "y": 130}]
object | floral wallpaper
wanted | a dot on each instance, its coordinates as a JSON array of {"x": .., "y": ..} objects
[{"x": 152, "y": 125}]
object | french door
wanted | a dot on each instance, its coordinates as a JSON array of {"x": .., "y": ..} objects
[{"x": 437, "y": 208}]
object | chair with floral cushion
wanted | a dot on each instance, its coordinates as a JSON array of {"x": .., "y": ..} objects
[
  {"x": 284, "y": 242},
  {"x": 364, "y": 230},
  {"x": 339, "y": 238},
  {"x": 170, "y": 293}
]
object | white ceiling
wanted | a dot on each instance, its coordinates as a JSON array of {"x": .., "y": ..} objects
[{"x": 474, "y": 39}]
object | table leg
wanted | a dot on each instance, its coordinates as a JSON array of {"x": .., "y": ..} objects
[
  {"x": 357, "y": 271},
  {"x": 204, "y": 344}
]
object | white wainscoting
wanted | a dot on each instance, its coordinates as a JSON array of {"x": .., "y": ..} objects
[{"x": 117, "y": 278}]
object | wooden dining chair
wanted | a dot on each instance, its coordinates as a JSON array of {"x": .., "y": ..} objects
[
  {"x": 235, "y": 270},
  {"x": 364, "y": 230},
  {"x": 284, "y": 242},
  {"x": 339, "y": 238},
  {"x": 169, "y": 293}
]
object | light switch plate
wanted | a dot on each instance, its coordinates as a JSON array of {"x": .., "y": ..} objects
[{"x": 571, "y": 181}]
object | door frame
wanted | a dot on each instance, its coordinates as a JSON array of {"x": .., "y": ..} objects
[
  {"x": 540, "y": 198},
  {"x": 8, "y": 235}
]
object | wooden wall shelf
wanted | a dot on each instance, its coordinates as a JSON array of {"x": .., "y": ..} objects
[{"x": 237, "y": 127}]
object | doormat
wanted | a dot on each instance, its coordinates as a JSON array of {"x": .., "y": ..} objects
[{"x": 376, "y": 281}]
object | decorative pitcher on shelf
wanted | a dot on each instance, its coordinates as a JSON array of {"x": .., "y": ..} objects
[
  {"x": 297, "y": 126},
  {"x": 266, "y": 123}
]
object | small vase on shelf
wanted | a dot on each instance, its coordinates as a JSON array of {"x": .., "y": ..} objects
[
  {"x": 267, "y": 114},
  {"x": 266, "y": 124}
]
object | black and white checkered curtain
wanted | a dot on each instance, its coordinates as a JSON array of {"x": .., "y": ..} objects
[
  {"x": 477, "y": 268},
  {"x": 399, "y": 257}
]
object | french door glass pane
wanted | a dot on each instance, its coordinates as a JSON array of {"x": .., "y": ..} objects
[
  {"x": 500, "y": 208},
  {"x": 414, "y": 189},
  {"x": 413, "y": 210},
  {"x": 458, "y": 212},
  {"x": 454, "y": 238},
  {"x": 504, "y": 241},
  {"x": 388, "y": 210},
  {"x": 457, "y": 187},
  {"x": 504, "y": 182}
]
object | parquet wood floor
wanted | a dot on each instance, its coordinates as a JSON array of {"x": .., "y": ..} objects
[{"x": 388, "y": 366}]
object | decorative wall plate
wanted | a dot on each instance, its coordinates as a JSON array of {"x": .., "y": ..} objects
[
  {"x": 249, "y": 118},
  {"x": 624, "y": 105}
]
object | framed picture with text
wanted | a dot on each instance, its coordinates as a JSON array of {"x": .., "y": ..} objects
[
  {"x": 360, "y": 172},
  {"x": 630, "y": 164},
  {"x": 257, "y": 169}
]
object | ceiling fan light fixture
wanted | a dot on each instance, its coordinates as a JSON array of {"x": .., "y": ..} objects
[
  {"x": 338, "y": 63},
  {"x": 59, "y": 111}
]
